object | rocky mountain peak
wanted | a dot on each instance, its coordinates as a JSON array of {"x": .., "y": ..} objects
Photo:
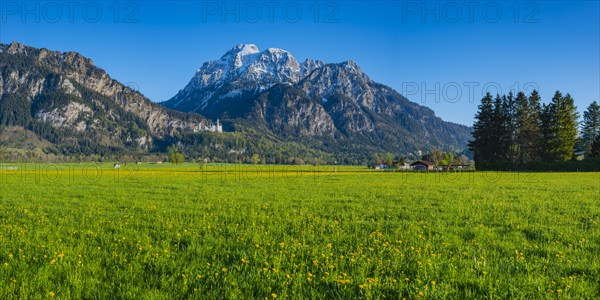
[
  {"x": 245, "y": 69},
  {"x": 16, "y": 47},
  {"x": 351, "y": 66},
  {"x": 242, "y": 49}
]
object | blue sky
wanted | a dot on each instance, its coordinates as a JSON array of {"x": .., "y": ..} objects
[{"x": 443, "y": 55}]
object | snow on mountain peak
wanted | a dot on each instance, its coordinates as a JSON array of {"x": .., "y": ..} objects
[
  {"x": 246, "y": 68},
  {"x": 245, "y": 61},
  {"x": 242, "y": 49}
]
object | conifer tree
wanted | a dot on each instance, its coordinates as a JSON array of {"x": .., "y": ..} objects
[
  {"x": 591, "y": 127},
  {"x": 560, "y": 128},
  {"x": 482, "y": 144},
  {"x": 527, "y": 124}
]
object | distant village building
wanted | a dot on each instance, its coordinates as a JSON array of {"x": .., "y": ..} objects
[
  {"x": 404, "y": 166},
  {"x": 423, "y": 165},
  {"x": 396, "y": 164},
  {"x": 117, "y": 166}
]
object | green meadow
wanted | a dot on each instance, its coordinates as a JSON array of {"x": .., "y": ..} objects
[{"x": 88, "y": 231}]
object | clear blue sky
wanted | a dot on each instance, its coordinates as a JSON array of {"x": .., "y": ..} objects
[{"x": 410, "y": 46}]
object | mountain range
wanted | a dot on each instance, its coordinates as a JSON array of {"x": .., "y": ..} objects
[{"x": 269, "y": 103}]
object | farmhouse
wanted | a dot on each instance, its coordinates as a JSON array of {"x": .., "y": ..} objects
[{"x": 423, "y": 165}]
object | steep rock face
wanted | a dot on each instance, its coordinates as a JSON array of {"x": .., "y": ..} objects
[
  {"x": 289, "y": 111},
  {"x": 311, "y": 99},
  {"x": 68, "y": 92},
  {"x": 345, "y": 79}
]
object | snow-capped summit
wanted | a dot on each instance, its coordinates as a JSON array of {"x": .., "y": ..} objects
[
  {"x": 244, "y": 71},
  {"x": 239, "y": 54},
  {"x": 243, "y": 49},
  {"x": 246, "y": 62}
]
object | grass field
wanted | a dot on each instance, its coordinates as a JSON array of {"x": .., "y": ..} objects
[{"x": 173, "y": 232}]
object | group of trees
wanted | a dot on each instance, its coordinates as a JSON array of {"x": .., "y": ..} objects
[
  {"x": 521, "y": 130},
  {"x": 436, "y": 156},
  {"x": 441, "y": 158},
  {"x": 175, "y": 156}
]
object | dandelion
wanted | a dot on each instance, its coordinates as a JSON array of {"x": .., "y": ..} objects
[
  {"x": 52, "y": 262},
  {"x": 559, "y": 291},
  {"x": 10, "y": 255},
  {"x": 52, "y": 294},
  {"x": 329, "y": 246},
  {"x": 363, "y": 286},
  {"x": 432, "y": 283},
  {"x": 6, "y": 264},
  {"x": 224, "y": 270},
  {"x": 274, "y": 295}
]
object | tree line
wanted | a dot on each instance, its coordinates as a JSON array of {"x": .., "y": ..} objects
[{"x": 522, "y": 131}]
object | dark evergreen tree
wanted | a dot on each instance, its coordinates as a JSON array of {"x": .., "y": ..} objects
[
  {"x": 595, "y": 150},
  {"x": 560, "y": 128},
  {"x": 590, "y": 129},
  {"x": 483, "y": 141},
  {"x": 546, "y": 128},
  {"x": 535, "y": 107},
  {"x": 527, "y": 124},
  {"x": 500, "y": 136},
  {"x": 509, "y": 127}
]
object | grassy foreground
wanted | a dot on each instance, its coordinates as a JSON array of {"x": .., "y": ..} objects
[{"x": 166, "y": 232}]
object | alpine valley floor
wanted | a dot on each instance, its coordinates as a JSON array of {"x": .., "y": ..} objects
[{"x": 174, "y": 232}]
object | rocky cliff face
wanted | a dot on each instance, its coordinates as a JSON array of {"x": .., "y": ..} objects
[
  {"x": 313, "y": 98},
  {"x": 68, "y": 92}
]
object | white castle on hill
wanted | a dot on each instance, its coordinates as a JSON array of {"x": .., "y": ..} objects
[{"x": 218, "y": 128}]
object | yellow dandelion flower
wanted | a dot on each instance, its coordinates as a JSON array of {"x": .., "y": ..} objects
[
  {"x": 559, "y": 291},
  {"x": 6, "y": 264},
  {"x": 329, "y": 246},
  {"x": 10, "y": 255},
  {"x": 53, "y": 261},
  {"x": 52, "y": 294},
  {"x": 274, "y": 295}
]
